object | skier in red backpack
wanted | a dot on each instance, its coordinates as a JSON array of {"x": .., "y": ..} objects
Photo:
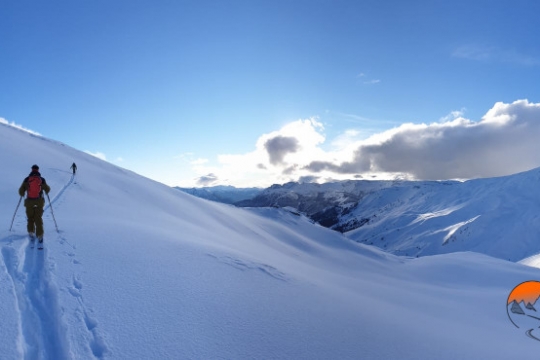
[{"x": 34, "y": 185}]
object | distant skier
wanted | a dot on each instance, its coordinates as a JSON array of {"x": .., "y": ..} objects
[
  {"x": 34, "y": 185},
  {"x": 74, "y": 167}
]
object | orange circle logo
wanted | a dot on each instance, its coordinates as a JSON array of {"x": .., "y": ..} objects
[{"x": 522, "y": 309}]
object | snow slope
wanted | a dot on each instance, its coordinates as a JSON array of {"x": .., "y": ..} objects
[{"x": 143, "y": 271}]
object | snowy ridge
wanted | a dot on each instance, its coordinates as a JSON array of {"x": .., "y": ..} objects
[{"x": 142, "y": 271}]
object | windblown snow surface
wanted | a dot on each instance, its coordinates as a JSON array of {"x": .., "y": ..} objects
[{"x": 139, "y": 270}]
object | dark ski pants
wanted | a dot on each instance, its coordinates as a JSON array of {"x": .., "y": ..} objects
[{"x": 34, "y": 214}]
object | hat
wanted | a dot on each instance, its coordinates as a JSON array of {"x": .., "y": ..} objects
[{"x": 35, "y": 167}]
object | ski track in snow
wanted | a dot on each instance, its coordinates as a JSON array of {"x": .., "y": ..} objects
[
  {"x": 43, "y": 330},
  {"x": 248, "y": 265},
  {"x": 60, "y": 193}
]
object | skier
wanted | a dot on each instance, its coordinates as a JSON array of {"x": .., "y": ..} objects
[
  {"x": 74, "y": 167},
  {"x": 34, "y": 185}
]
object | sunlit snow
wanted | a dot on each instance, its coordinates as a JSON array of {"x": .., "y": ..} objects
[{"x": 139, "y": 270}]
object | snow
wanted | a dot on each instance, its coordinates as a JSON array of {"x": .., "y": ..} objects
[
  {"x": 139, "y": 270},
  {"x": 533, "y": 261},
  {"x": 498, "y": 217}
]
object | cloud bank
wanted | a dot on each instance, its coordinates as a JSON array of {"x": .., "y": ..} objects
[
  {"x": 207, "y": 180},
  {"x": 504, "y": 141}
]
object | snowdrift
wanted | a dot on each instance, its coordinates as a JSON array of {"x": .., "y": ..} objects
[{"x": 139, "y": 270}]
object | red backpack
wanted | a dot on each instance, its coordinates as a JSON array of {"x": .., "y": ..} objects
[{"x": 34, "y": 187}]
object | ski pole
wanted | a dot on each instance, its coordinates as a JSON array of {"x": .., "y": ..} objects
[
  {"x": 17, "y": 208},
  {"x": 52, "y": 212}
]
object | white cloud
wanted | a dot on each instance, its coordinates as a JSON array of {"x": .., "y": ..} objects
[
  {"x": 199, "y": 161},
  {"x": 494, "y": 54},
  {"x": 344, "y": 144},
  {"x": 300, "y": 139},
  {"x": 374, "y": 81},
  {"x": 504, "y": 141},
  {"x": 456, "y": 114},
  {"x": 474, "y": 52},
  {"x": 184, "y": 156},
  {"x": 366, "y": 80},
  {"x": 275, "y": 158}
]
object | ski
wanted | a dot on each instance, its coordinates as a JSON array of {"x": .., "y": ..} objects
[
  {"x": 40, "y": 245},
  {"x": 32, "y": 241}
]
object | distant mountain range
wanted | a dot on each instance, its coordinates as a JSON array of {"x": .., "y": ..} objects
[
  {"x": 496, "y": 216},
  {"x": 223, "y": 194},
  {"x": 325, "y": 204}
]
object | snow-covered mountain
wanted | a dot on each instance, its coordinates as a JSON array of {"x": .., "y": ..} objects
[
  {"x": 139, "y": 270},
  {"x": 324, "y": 203},
  {"x": 497, "y": 216}
]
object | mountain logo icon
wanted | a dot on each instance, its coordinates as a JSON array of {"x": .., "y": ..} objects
[{"x": 521, "y": 308}]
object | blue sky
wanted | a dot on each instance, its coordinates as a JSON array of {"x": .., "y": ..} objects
[{"x": 256, "y": 92}]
